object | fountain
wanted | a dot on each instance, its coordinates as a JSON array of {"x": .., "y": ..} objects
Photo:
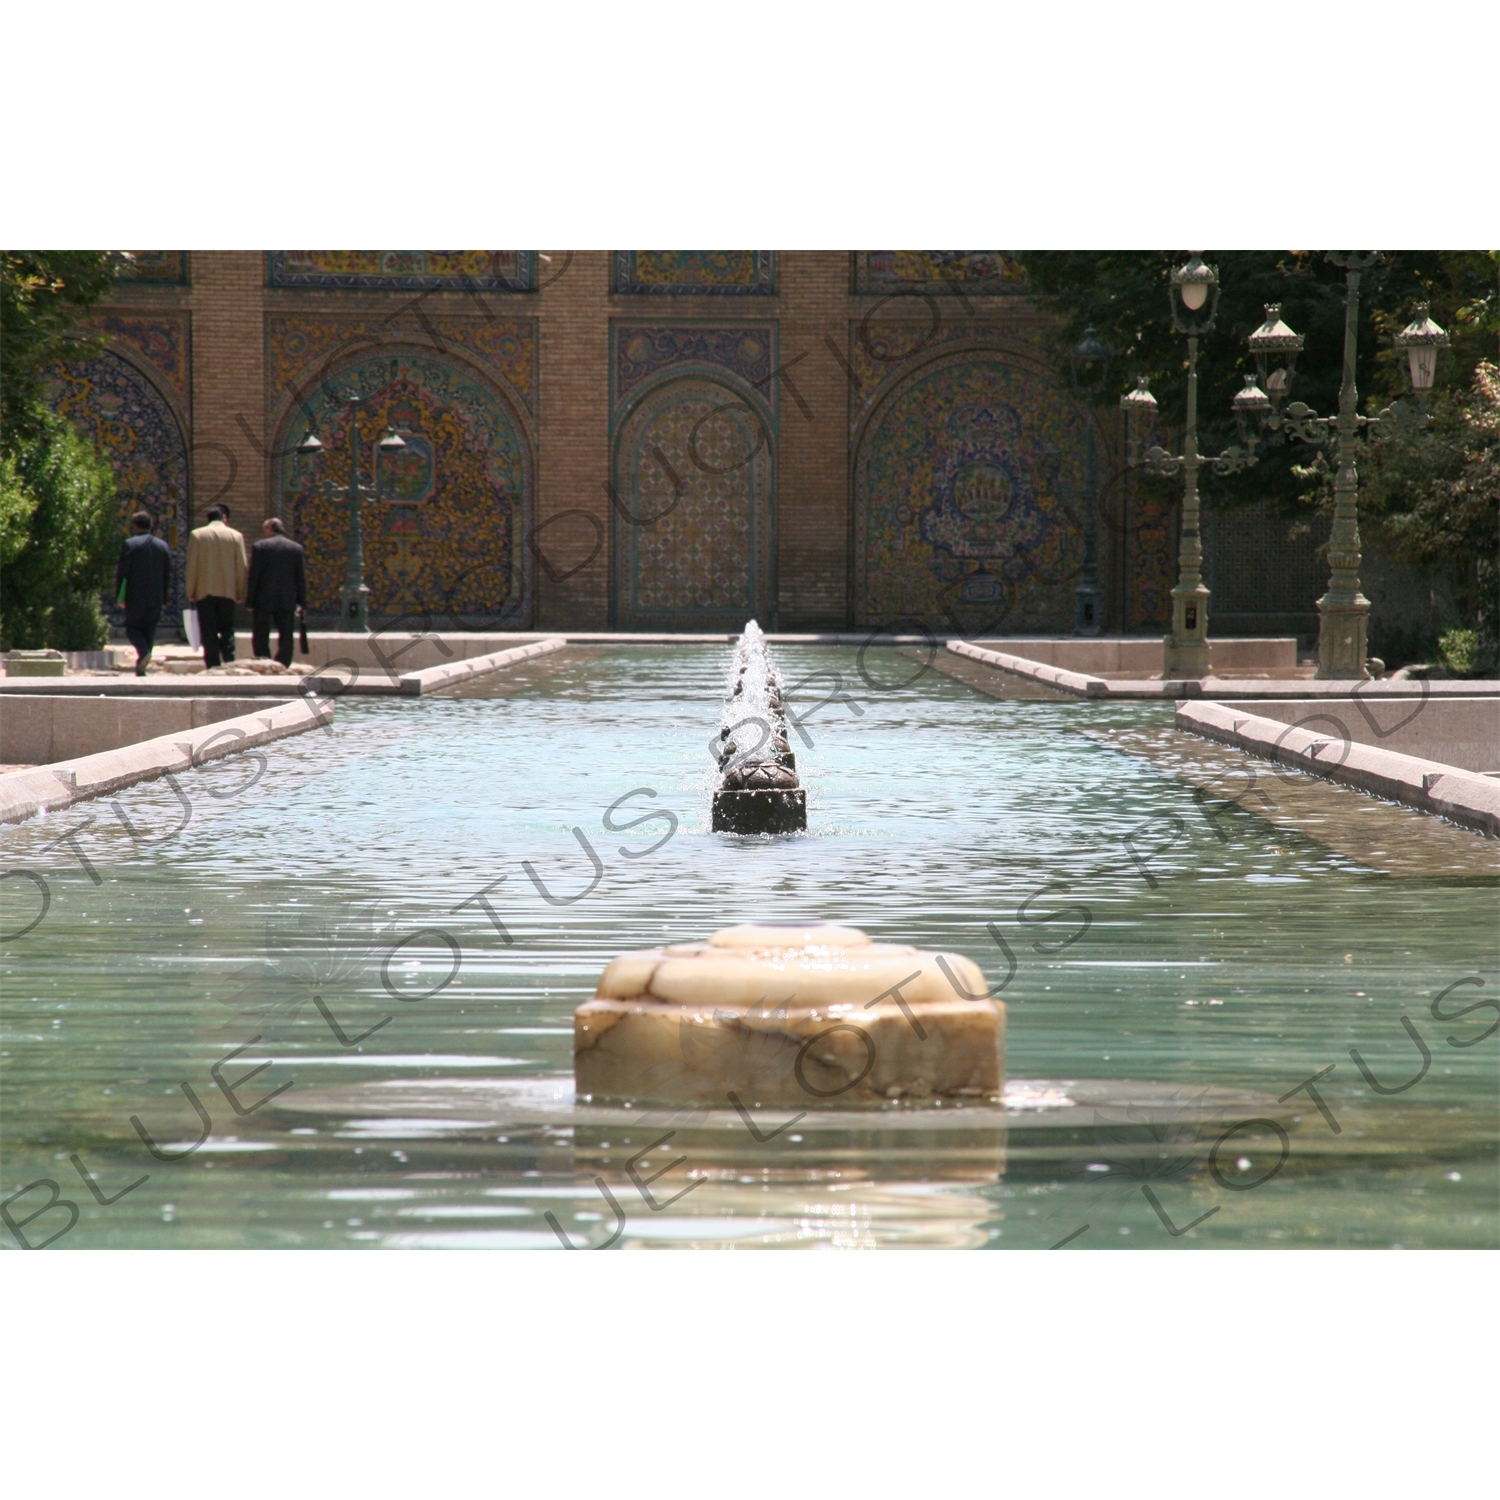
[
  {"x": 1158, "y": 1011},
  {"x": 772, "y": 1014},
  {"x": 758, "y": 790}
]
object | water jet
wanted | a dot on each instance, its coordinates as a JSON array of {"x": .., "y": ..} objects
[{"x": 758, "y": 791}]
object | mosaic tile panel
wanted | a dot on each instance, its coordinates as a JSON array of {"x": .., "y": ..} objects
[
  {"x": 968, "y": 483},
  {"x": 643, "y": 352},
  {"x": 406, "y": 270},
  {"x": 693, "y": 484},
  {"x": 982, "y": 273},
  {"x": 444, "y": 532},
  {"x": 155, "y": 268},
  {"x": 714, "y": 273},
  {"x": 693, "y": 413},
  {"x": 299, "y": 348},
  {"x": 884, "y": 351},
  {"x": 1152, "y": 563},
  {"x": 161, "y": 340},
  {"x": 133, "y": 423}
]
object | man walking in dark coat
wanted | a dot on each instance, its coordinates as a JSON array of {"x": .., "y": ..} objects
[
  {"x": 277, "y": 590},
  {"x": 145, "y": 571}
]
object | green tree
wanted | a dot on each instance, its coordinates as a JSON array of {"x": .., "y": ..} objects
[
  {"x": 49, "y": 595},
  {"x": 17, "y": 506},
  {"x": 1433, "y": 500},
  {"x": 42, "y": 293},
  {"x": 1123, "y": 295},
  {"x": 59, "y": 531},
  {"x": 1426, "y": 499}
]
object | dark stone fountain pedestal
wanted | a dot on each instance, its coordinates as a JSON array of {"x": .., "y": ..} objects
[
  {"x": 758, "y": 791},
  {"x": 780, "y": 811}
]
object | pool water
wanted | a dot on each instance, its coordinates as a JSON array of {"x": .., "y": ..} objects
[{"x": 454, "y": 872}]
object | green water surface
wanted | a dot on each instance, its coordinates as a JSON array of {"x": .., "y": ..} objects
[{"x": 1216, "y": 947}]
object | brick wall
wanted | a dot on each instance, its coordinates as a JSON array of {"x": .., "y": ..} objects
[
  {"x": 813, "y": 521},
  {"x": 571, "y": 548},
  {"x": 818, "y": 318},
  {"x": 227, "y": 297}
]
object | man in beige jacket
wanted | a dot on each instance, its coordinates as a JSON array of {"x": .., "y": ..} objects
[{"x": 215, "y": 584}]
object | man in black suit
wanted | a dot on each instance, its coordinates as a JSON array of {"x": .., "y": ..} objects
[
  {"x": 145, "y": 571},
  {"x": 276, "y": 591}
]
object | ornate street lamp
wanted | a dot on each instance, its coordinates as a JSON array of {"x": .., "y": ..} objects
[
  {"x": 1089, "y": 367},
  {"x": 354, "y": 600},
  {"x": 1275, "y": 348},
  {"x": 1421, "y": 339},
  {"x": 1344, "y": 612},
  {"x": 1195, "y": 286},
  {"x": 1139, "y": 407}
]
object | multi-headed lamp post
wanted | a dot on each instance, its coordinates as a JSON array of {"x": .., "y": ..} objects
[
  {"x": 1344, "y": 612},
  {"x": 1185, "y": 652},
  {"x": 1089, "y": 366},
  {"x": 354, "y": 600}
]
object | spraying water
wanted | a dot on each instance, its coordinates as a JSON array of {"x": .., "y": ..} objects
[{"x": 758, "y": 790}]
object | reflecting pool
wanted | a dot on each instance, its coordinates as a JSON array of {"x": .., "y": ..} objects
[{"x": 393, "y": 921}]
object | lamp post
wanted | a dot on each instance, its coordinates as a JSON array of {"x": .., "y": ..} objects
[
  {"x": 1185, "y": 651},
  {"x": 1088, "y": 365},
  {"x": 1344, "y": 612},
  {"x": 354, "y": 600}
]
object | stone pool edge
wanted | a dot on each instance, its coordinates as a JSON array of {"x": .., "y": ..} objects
[
  {"x": 428, "y": 679},
  {"x": 1463, "y": 797},
  {"x": 25, "y": 794},
  {"x": 1083, "y": 685},
  {"x": 1079, "y": 683}
]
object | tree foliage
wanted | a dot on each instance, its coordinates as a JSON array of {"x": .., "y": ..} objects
[
  {"x": 54, "y": 573},
  {"x": 1427, "y": 499},
  {"x": 59, "y": 530},
  {"x": 1124, "y": 296},
  {"x": 1433, "y": 501},
  {"x": 42, "y": 292}
]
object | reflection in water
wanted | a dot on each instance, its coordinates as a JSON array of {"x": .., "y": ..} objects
[{"x": 328, "y": 921}]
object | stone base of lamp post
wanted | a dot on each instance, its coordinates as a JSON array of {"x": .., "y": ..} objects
[
  {"x": 1185, "y": 652},
  {"x": 354, "y": 610},
  {"x": 1086, "y": 610},
  {"x": 1343, "y": 645}
]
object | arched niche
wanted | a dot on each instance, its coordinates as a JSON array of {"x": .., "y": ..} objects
[
  {"x": 445, "y": 529},
  {"x": 138, "y": 427},
  {"x": 968, "y": 489},
  {"x": 693, "y": 490}
]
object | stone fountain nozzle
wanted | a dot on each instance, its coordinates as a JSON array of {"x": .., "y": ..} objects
[{"x": 758, "y": 791}]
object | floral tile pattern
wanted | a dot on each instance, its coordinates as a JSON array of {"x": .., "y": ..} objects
[
  {"x": 699, "y": 273},
  {"x": 130, "y": 418},
  {"x": 406, "y": 270},
  {"x": 444, "y": 528},
  {"x": 885, "y": 273},
  {"x": 693, "y": 474},
  {"x": 968, "y": 485}
]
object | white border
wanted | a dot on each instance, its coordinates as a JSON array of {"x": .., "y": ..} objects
[
  {"x": 804, "y": 125},
  {"x": 357, "y": 1373}
]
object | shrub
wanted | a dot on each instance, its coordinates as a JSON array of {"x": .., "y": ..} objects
[
  {"x": 71, "y": 537},
  {"x": 76, "y": 623},
  {"x": 1459, "y": 650}
]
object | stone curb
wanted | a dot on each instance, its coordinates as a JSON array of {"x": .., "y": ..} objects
[
  {"x": 1463, "y": 797},
  {"x": 189, "y": 685},
  {"x": 24, "y": 794},
  {"x": 429, "y": 678},
  {"x": 1077, "y": 683},
  {"x": 1082, "y": 685},
  {"x": 1370, "y": 690}
]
